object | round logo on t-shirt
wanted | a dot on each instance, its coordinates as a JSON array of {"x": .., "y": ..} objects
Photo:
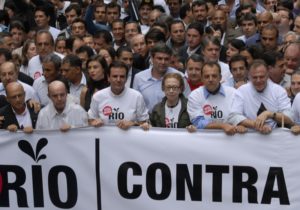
[
  {"x": 167, "y": 122},
  {"x": 207, "y": 109},
  {"x": 107, "y": 110},
  {"x": 37, "y": 75}
]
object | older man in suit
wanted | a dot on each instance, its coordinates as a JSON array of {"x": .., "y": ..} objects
[{"x": 17, "y": 114}]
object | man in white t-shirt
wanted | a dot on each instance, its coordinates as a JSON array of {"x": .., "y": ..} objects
[
  {"x": 118, "y": 105},
  {"x": 260, "y": 104},
  {"x": 44, "y": 46},
  {"x": 209, "y": 105}
]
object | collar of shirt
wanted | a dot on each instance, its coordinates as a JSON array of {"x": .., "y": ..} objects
[
  {"x": 121, "y": 94},
  {"x": 23, "y": 113},
  {"x": 190, "y": 52},
  {"x": 82, "y": 82},
  {"x": 150, "y": 77},
  {"x": 207, "y": 94},
  {"x": 53, "y": 111}
]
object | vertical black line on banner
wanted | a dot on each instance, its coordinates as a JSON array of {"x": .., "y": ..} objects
[{"x": 97, "y": 167}]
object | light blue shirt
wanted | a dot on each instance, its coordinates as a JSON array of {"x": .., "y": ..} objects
[{"x": 150, "y": 87}]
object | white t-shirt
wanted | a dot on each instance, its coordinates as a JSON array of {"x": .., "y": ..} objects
[
  {"x": 35, "y": 68},
  {"x": 213, "y": 107},
  {"x": 129, "y": 105},
  {"x": 247, "y": 102},
  {"x": 171, "y": 115}
]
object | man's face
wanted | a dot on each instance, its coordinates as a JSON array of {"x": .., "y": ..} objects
[
  {"x": 70, "y": 16},
  {"x": 193, "y": 38},
  {"x": 83, "y": 57},
  {"x": 295, "y": 84},
  {"x": 49, "y": 71},
  {"x": 259, "y": 77},
  {"x": 291, "y": 57},
  {"x": 69, "y": 72},
  {"x": 89, "y": 41},
  {"x": 112, "y": 14},
  {"x": 117, "y": 79},
  {"x": 249, "y": 28},
  {"x": 78, "y": 29},
  {"x": 211, "y": 52},
  {"x": 211, "y": 77},
  {"x": 174, "y": 7},
  {"x": 219, "y": 18},
  {"x": 297, "y": 25},
  {"x": 8, "y": 73},
  {"x": 277, "y": 72},
  {"x": 161, "y": 62},
  {"x": 269, "y": 39},
  {"x": 118, "y": 31},
  {"x": 131, "y": 29},
  {"x": 127, "y": 58},
  {"x": 9, "y": 43},
  {"x": 285, "y": 22},
  {"x": 263, "y": 20},
  {"x": 18, "y": 36},
  {"x": 238, "y": 71},
  {"x": 44, "y": 46},
  {"x": 58, "y": 96},
  {"x": 99, "y": 14},
  {"x": 193, "y": 69},
  {"x": 199, "y": 13},
  {"x": 154, "y": 14},
  {"x": 16, "y": 97},
  {"x": 178, "y": 33},
  {"x": 144, "y": 12},
  {"x": 139, "y": 45},
  {"x": 41, "y": 19}
]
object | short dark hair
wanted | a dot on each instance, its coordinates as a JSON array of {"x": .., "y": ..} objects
[
  {"x": 73, "y": 60},
  {"x": 75, "y": 7},
  {"x": 156, "y": 35},
  {"x": 197, "y": 26},
  {"x": 161, "y": 48},
  {"x": 123, "y": 49},
  {"x": 211, "y": 64},
  {"x": 85, "y": 48},
  {"x": 117, "y": 64},
  {"x": 237, "y": 58},
  {"x": 196, "y": 58}
]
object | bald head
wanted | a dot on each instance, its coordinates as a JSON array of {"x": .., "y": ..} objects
[
  {"x": 14, "y": 87},
  {"x": 56, "y": 85},
  {"x": 15, "y": 95},
  {"x": 57, "y": 92}
]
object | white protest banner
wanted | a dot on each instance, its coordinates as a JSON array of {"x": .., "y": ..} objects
[{"x": 111, "y": 169}]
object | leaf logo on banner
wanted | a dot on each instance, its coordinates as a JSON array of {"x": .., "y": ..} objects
[{"x": 26, "y": 147}]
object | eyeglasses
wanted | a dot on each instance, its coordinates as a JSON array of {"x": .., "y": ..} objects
[{"x": 173, "y": 88}]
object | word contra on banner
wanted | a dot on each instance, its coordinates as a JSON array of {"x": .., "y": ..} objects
[{"x": 193, "y": 181}]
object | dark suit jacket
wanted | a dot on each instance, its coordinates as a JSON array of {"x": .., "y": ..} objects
[
  {"x": 134, "y": 72},
  {"x": 10, "y": 117},
  {"x": 183, "y": 53}
]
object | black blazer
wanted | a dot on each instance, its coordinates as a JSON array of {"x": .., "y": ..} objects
[{"x": 10, "y": 117}]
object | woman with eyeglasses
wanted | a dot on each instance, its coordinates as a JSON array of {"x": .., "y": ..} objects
[{"x": 171, "y": 112}]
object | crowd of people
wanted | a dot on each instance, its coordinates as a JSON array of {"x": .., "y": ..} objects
[{"x": 230, "y": 64}]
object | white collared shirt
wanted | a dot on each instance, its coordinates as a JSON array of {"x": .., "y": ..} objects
[{"x": 24, "y": 119}]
